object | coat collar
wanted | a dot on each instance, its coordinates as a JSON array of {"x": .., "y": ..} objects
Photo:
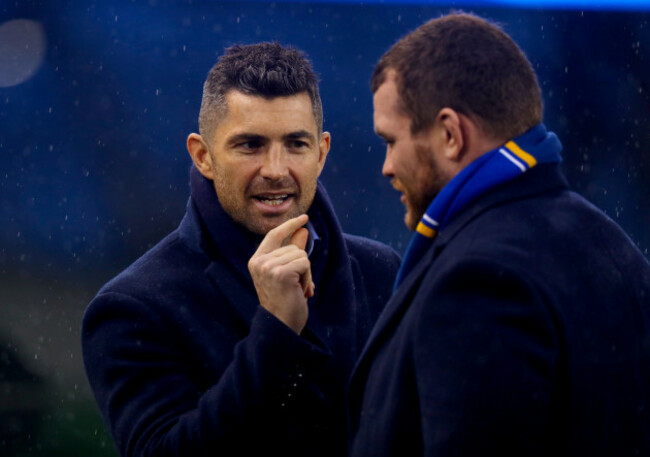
[
  {"x": 209, "y": 229},
  {"x": 540, "y": 179}
]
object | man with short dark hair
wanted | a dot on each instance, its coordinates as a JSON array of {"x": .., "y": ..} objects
[
  {"x": 236, "y": 334},
  {"x": 520, "y": 321}
]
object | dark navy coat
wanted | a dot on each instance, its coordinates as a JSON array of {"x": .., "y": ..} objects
[
  {"x": 523, "y": 331},
  {"x": 183, "y": 360}
]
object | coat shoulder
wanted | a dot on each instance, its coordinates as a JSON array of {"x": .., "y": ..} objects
[
  {"x": 372, "y": 253},
  {"x": 169, "y": 264}
]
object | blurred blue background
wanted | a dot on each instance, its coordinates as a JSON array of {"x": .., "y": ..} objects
[{"x": 96, "y": 102}]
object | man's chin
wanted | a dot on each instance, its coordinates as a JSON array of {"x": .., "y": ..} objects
[
  {"x": 409, "y": 219},
  {"x": 260, "y": 223},
  {"x": 410, "y": 222},
  {"x": 412, "y": 218},
  {"x": 263, "y": 225}
]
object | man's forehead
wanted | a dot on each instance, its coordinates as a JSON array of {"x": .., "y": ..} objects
[
  {"x": 387, "y": 94},
  {"x": 385, "y": 100},
  {"x": 237, "y": 97},
  {"x": 277, "y": 116},
  {"x": 389, "y": 115}
]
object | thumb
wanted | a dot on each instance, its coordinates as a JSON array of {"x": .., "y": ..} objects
[{"x": 299, "y": 238}]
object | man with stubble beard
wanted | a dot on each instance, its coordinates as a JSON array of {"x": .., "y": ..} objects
[
  {"x": 520, "y": 321},
  {"x": 236, "y": 334}
]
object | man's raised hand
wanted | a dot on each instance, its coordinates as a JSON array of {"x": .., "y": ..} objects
[{"x": 281, "y": 272}]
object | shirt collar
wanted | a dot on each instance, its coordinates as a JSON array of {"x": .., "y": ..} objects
[{"x": 313, "y": 236}]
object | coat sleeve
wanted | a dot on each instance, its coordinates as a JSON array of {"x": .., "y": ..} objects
[
  {"x": 148, "y": 392},
  {"x": 487, "y": 358}
]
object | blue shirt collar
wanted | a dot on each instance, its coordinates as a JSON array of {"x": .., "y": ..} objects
[{"x": 313, "y": 236}]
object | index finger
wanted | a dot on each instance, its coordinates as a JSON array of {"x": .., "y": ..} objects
[{"x": 275, "y": 238}]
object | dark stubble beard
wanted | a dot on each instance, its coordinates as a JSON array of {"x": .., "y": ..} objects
[
  {"x": 424, "y": 189},
  {"x": 256, "y": 224}
]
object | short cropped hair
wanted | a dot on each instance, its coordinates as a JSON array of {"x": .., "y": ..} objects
[
  {"x": 264, "y": 69},
  {"x": 466, "y": 63}
]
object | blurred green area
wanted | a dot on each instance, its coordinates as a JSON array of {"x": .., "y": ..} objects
[
  {"x": 46, "y": 406},
  {"x": 38, "y": 418}
]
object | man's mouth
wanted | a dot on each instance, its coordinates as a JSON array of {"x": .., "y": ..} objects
[
  {"x": 399, "y": 188},
  {"x": 397, "y": 185},
  {"x": 272, "y": 200}
]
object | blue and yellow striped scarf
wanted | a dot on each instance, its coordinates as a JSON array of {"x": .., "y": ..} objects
[{"x": 490, "y": 170}]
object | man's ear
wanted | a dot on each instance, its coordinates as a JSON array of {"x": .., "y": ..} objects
[
  {"x": 324, "y": 148},
  {"x": 198, "y": 149},
  {"x": 450, "y": 129}
]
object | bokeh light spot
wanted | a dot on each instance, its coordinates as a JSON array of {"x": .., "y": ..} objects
[{"x": 22, "y": 51}]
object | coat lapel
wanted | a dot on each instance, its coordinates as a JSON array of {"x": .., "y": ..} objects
[
  {"x": 238, "y": 293},
  {"x": 230, "y": 247},
  {"x": 227, "y": 245},
  {"x": 390, "y": 318}
]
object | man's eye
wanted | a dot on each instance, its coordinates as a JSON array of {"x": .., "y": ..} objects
[
  {"x": 298, "y": 144},
  {"x": 250, "y": 145}
]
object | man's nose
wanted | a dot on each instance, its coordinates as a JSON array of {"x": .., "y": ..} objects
[
  {"x": 387, "y": 169},
  {"x": 275, "y": 166}
]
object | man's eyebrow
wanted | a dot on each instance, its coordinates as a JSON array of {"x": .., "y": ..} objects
[
  {"x": 382, "y": 134},
  {"x": 300, "y": 134}
]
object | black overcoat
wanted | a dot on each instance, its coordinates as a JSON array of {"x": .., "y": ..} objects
[
  {"x": 524, "y": 330},
  {"x": 183, "y": 360}
]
